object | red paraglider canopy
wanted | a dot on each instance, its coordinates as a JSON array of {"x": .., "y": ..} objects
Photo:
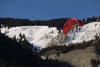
[{"x": 69, "y": 24}]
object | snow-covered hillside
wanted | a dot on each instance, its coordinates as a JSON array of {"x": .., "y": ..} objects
[
  {"x": 39, "y": 36},
  {"x": 87, "y": 32}
]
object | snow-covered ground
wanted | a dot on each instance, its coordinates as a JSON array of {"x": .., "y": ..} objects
[
  {"x": 40, "y": 36},
  {"x": 87, "y": 32}
]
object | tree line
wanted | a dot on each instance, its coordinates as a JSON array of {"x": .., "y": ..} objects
[{"x": 59, "y": 22}]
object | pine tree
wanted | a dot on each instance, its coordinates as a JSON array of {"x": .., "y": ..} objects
[
  {"x": 20, "y": 37},
  {"x": 23, "y": 36},
  {"x": 52, "y": 31},
  {"x": 74, "y": 34},
  {"x": 96, "y": 37},
  {"x": 84, "y": 21},
  {"x": 14, "y": 38},
  {"x": 79, "y": 29}
]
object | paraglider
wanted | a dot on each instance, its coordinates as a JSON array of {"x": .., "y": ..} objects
[{"x": 69, "y": 24}]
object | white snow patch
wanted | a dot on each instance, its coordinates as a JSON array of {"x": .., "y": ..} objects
[
  {"x": 87, "y": 33},
  {"x": 39, "y": 36}
]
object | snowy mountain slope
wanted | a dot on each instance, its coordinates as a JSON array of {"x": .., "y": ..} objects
[
  {"x": 42, "y": 36},
  {"x": 78, "y": 35},
  {"x": 87, "y": 32},
  {"x": 39, "y": 36}
]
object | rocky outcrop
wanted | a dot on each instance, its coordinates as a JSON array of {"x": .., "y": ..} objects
[{"x": 60, "y": 39}]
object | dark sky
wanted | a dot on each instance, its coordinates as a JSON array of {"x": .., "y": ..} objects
[{"x": 49, "y": 9}]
